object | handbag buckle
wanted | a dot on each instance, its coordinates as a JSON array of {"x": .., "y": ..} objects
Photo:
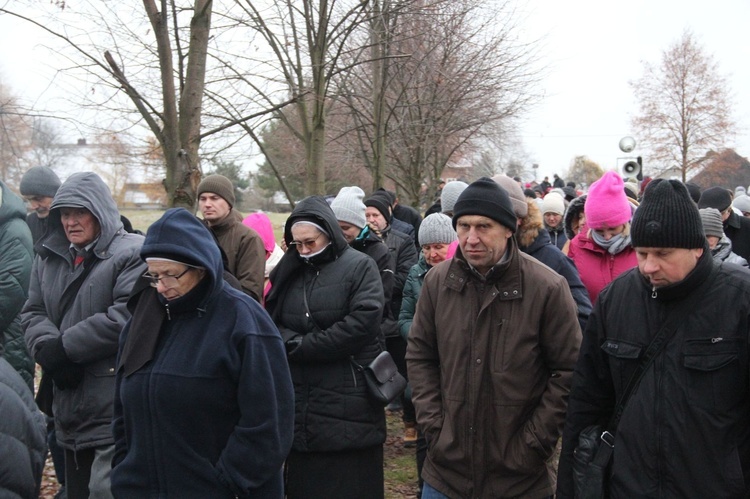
[{"x": 608, "y": 439}]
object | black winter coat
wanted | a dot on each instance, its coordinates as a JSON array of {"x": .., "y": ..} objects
[
  {"x": 737, "y": 229},
  {"x": 543, "y": 250},
  {"x": 405, "y": 256},
  {"x": 333, "y": 303},
  {"x": 685, "y": 431}
]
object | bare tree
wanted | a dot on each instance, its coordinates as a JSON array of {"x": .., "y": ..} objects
[
  {"x": 584, "y": 171},
  {"x": 46, "y": 140},
  {"x": 15, "y": 136},
  {"x": 684, "y": 107},
  {"x": 457, "y": 74}
]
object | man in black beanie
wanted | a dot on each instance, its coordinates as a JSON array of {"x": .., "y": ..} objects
[
  {"x": 685, "y": 429},
  {"x": 490, "y": 358},
  {"x": 38, "y": 187},
  {"x": 736, "y": 227}
]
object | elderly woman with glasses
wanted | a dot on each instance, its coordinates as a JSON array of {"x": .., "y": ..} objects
[
  {"x": 203, "y": 401},
  {"x": 327, "y": 299}
]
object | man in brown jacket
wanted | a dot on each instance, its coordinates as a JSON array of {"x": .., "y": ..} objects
[
  {"x": 490, "y": 358},
  {"x": 243, "y": 247}
]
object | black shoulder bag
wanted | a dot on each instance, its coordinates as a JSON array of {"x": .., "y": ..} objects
[
  {"x": 384, "y": 382},
  {"x": 595, "y": 445}
]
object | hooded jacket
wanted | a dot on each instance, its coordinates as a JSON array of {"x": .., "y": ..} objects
[
  {"x": 534, "y": 240},
  {"x": 684, "y": 431},
  {"x": 204, "y": 409},
  {"x": 16, "y": 256},
  {"x": 722, "y": 252},
  {"x": 332, "y": 305},
  {"x": 490, "y": 363},
  {"x": 91, "y": 325}
]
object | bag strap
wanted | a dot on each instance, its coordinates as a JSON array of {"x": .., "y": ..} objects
[{"x": 675, "y": 318}]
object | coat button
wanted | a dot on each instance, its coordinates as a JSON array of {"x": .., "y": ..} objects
[
  {"x": 479, "y": 361},
  {"x": 505, "y": 293},
  {"x": 515, "y": 292}
]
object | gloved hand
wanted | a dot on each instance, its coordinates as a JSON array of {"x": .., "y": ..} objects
[
  {"x": 68, "y": 377},
  {"x": 51, "y": 355},
  {"x": 293, "y": 344}
]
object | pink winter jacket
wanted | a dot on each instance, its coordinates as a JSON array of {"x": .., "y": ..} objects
[{"x": 596, "y": 266}]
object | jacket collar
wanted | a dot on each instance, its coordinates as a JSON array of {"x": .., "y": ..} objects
[
  {"x": 504, "y": 277},
  {"x": 733, "y": 220}
]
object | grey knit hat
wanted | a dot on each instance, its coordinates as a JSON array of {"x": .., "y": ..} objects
[
  {"x": 517, "y": 197},
  {"x": 349, "y": 207},
  {"x": 712, "y": 223},
  {"x": 436, "y": 228},
  {"x": 449, "y": 195},
  {"x": 219, "y": 185},
  {"x": 40, "y": 181}
]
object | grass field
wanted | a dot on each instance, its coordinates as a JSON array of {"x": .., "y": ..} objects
[{"x": 142, "y": 219}]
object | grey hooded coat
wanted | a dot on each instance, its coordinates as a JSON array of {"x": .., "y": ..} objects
[{"x": 91, "y": 326}]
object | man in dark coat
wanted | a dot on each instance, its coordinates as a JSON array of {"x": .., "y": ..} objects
[
  {"x": 38, "y": 187},
  {"x": 491, "y": 355},
  {"x": 736, "y": 227},
  {"x": 685, "y": 430},
  {"x": 242, "y": 246}
]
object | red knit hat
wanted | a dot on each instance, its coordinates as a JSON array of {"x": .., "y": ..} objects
[{"x": 606, "y": 204}]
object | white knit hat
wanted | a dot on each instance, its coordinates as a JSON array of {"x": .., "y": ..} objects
[
  {"x": 348, "y": 206},
  {"x": 553, "y": 203},
  {"x": 449, "y": 195},
  {"x": 436, "y": 228}
]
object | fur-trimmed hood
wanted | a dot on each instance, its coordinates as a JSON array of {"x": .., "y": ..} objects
[{"x": 530, "y": 225}]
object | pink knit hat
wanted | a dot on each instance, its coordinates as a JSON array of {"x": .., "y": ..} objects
[{"x": 606, "y": 204}]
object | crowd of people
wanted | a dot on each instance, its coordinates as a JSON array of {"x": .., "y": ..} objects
[{"x": 205, "y": 358}]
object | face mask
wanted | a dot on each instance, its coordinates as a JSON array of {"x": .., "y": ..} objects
[{"x": 311, "y": 255}]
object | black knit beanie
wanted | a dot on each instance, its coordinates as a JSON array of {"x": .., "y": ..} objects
[
  {"x": 381, "y": 202},
  {"x": 39, "y": 181},
  {"x": 484, "y": 197},
  {"x": 219, "y": 185},
  {"x": 715, "y": 197},
  {"x": 667, "y": 218}
]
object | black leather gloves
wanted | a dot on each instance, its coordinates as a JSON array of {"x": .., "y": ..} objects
[{"x": 53, "y": 359}]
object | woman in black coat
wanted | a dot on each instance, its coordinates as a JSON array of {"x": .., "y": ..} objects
[{"x": 327, "y": 301}]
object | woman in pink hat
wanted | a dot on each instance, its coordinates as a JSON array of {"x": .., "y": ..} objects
[{"x": 602, "y": 250}]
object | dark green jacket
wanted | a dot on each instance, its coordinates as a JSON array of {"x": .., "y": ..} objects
[
  {"x": 16, "y": 257},
  {"x": 412, "y": 288}
]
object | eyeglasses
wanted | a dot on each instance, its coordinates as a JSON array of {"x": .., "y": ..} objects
[
  {"x": 309, "y": 244},
  {"x": 168, "y": 281}
]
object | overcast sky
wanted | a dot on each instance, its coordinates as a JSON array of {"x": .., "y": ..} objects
[{"x": 592, "y": 49}]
